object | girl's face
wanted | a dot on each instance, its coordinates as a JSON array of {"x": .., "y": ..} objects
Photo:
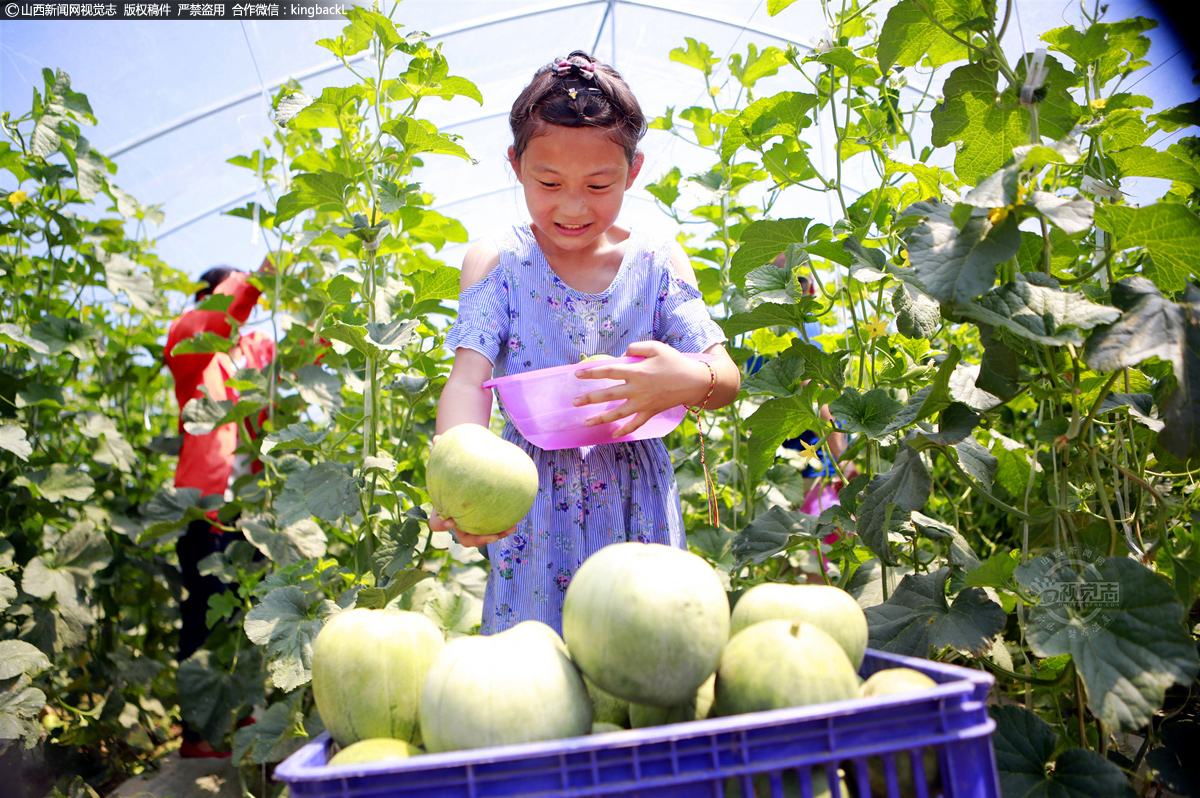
[{"x": 574, "y": 181}]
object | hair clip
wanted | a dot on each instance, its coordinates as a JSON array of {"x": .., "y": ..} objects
[{"x": 579, "y": 68}]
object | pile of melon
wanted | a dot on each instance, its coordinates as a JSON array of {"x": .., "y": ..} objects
[{"x": 648, "y": 639}]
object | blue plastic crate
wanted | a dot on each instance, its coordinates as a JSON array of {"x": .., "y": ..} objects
[{"x": 870, "y": 740}]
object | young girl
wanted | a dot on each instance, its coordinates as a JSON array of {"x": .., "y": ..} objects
[{"x": 572, "y": 284}]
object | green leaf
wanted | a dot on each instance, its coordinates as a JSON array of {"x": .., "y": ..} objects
[
  {"x": 775, "y": 6},
  {"x": 773, "y": 423},
  {"x": 917, "y": 618},
  {"x": 286, "y": 623},
  {"x": 960, "y": 555},
  {"x": 911, "y": 36},
  {"x": 12, "y": 335},
  {"x": 1122, "y": 625},
  {"x": 1025, "y": 745},
  {"x": 1150, "y": 326},
  {"x": 868, "y": 414},
  {"x": 1033, "y": 307},
  {"x": 758, "y": 65},
  {"x": 762, "y": 241},
  {"x": 917, "y": 314},
  {"x": 1069, "y": 215},
  {"x": 1144, "y": 161},
  {"x": 210, "y": 693},
  {"x": 326, "y": 490},
  {"x": 768, "y": 314},
  {"x": 64, "y": 335},
  {"x": 436, "y": 285},
  {"x": 18, "y": 657},
  {"x": 294, "y": 436},
  {"x": 779, "y": 376},
  {"x": 1180, "y": 116},
  {"x": 20, "y": 705},
  {"x": 278, "y": 733},
  {"x": 302, "y": 540},
  {"x": 1169, "y": 232},
  {"x": 696, "y": 55},
  {"x": 59, "y": 482},
  {"x": 172, "y": 508},
  {"x": 666, "y": 189},
  {"x": 322, "y": 190},
  {"x": 1181, "y": 411},
  {"x": 996, "y": 572},
  {"x": 889, "y": 499},
  {"x": 1107, "y": 48},
  {"x": 418, "y": 136},
  {"x": 954, "y": 266},
  {"x": 12, "y": 439},
  {"x": 771, "y": 532}
]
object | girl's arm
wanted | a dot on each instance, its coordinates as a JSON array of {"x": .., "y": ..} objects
[
  {"x": 665, "y": 379},
  {"x": 464, "y": 400}
]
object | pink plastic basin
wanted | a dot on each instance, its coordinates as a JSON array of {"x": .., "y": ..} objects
[{"x": 539, "y": 404}]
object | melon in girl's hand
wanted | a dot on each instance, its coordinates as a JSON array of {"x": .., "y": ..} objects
[
  {"x": 368, "y": 669},
  {"x": 518, "y": 686},
  {"x": 375, "y": 749},
  {"x": 646, "y": 622},
  {"x": 832, "y": 609},
  {"x": 482, "y": 481}
]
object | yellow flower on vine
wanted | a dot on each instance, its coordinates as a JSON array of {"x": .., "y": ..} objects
[
  {"x": 714, "y": 91},
  {"x": 998, "y": 215},
  {"x": 904, "y": 261},
  {"x": 809, "y": 454},
  {"x": 17, "y": 197},
  {"x": 875, "y": 329}
]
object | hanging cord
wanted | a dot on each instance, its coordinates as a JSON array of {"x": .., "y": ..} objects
[{"x": 709, "y": 486}]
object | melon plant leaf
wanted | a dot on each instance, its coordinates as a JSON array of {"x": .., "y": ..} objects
[
  {"x": 174, "y": 507},
  {"x": 64, "y": 335},
  {"x": 1122, "y": 625},
  {"x": 917, "y": 617},
  {"x": 294, "y": 436},
  {"x": 1025, "y": 746},
  {"x": 995, "y": 572},
  {"x": 202, "y": 344},
  {"x": 326, "y": 490},
  {"x": 779, "y": 376},
  {"x": 1181, "y": 411},
  {"x": 773, "y": 423},
  {"x": 869, "y": 413},
  {"x": 12, "y": 439},
  {"x": 769, "y": 283},
  {"x": 955, "y": 266},
  {"x": 866, "y": 583},
  {"x": 210, "y": 691},
  {"x": 17, "y": 657},
  {"x": 1172, "y": 119},
  {"x": 395, "y": 548},
  {"x": 1150, "y": 326},
  {"x": 910, "y": 35},
  {"x": 1033, "y": 307},
  {"x": 961, "y": 555},
  {"x": 933, "y": 398},
  {"x": 762, "y": 241},
  {"x": 279, "y": 732},
  {"x": 1143, "y": 161},
  {"x": 1113, "y": 46},
  {"x": 889, "y": 498},
  {"x": 434, "y": 286},
  {"x": 123, "y": 275},
  {"x": 768, "y": 314},
  {"x": 288, "y": 546},
  {"x": 318, "y": 387},
  {"x": 697, "y": 55},
  {"x": 8, "y": 592},
  {"x": 58, "y": 482},
  {"x": 322, "y": 190},
  {"x": 1139, "y": 407},
  {"x": 418, "y": 136},
  {"x": 917, "y": 314},
  {"x": 286, "y": 623},
  {"x": 20, "y": 705},
  {"x": 770, "y": 533},
  {"x": 1170, "y": 233},
  {"x": 1069, "y": 215}
]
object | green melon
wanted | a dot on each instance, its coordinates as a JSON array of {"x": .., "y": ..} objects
[
  {"x": 696, "y": 708},
  {"x": 605, "y": 728},
  {"x": 895, "y": 680},
  {"x": 368, "y": 670},
  {"x": 375, "y": 749},
  {"x": 517, "y": 686},
  {"x": 482, "y": 481},
  {"x": 606, "y": 707},
  {"x": 779, "y": 664},
  {"x": 831, "y": 608},
  {"x": 646, "y": 622}
]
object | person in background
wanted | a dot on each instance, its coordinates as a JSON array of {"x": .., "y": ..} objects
[
  {"x": 572, "y": 283},
  {"x": 209, "y": 462}
]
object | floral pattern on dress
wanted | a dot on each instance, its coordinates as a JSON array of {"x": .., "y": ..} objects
[{"x": 524, "y": 317}]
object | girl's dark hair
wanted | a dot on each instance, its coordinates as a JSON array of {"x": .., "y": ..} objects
[
  {"x": 578, "y": 91},
  {"x": 214, "y": 277}
]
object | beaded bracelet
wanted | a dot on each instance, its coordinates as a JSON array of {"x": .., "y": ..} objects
[{"x": 710, "y": 486}]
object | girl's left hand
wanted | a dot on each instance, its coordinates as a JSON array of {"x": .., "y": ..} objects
[{"x": 664, "y": 379}]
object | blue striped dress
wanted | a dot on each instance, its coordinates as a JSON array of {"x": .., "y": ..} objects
[{"x": 523, "y": 317}]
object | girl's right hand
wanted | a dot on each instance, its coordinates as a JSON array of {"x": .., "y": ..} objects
[{"x": 439, "y": 524}]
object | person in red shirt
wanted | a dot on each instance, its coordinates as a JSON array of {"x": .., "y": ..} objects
[{"x": 208, "y": 462}]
